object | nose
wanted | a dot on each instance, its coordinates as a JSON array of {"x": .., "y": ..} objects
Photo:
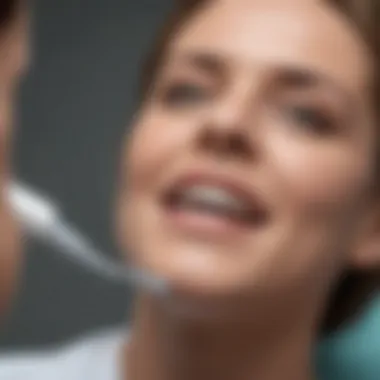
[{"x": 226, "y": 129}]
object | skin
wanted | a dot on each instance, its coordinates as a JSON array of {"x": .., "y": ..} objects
[
  {"x": 13, "y": 62},
  {"x": 274, "y": 96}
]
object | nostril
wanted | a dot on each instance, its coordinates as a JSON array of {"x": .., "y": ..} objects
[
  {"x": 239, "y": 144},
  {"x": 227, "y": 143}
]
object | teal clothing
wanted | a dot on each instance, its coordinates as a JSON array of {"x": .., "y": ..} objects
[{"x": 353, "y": 353}]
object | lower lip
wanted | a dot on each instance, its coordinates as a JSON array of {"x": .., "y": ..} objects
[{"x": 203, "y": 224}]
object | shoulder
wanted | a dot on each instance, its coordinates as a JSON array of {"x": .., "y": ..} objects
[{"x": 94, "y": 356}]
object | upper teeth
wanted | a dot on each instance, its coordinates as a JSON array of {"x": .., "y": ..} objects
[{"x": 214, "y": 196}]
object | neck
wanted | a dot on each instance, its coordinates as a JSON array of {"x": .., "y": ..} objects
[{"x": 164, "y": 347}]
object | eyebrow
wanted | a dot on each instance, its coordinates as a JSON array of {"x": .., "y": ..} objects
[
  {"x": 209, "y": 63},
  {"x": 292, "y": 75},
  {"x": 299, "y": 77}
]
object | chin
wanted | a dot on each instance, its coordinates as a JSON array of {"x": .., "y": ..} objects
[
  {"x": 206, "y": 262},
  {"x": 202, "y": 282}
]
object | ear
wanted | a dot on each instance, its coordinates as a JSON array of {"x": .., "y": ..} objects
[{"x": 366, "y": 250}]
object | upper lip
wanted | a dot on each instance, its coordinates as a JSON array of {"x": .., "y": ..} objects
[{"x": 236, "y": 187}]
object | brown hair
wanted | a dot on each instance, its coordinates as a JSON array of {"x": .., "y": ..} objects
[
  {"x": 8, "y": 10},
  {"x": 354, "y": 288}
]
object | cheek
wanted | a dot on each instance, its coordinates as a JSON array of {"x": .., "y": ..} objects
[
  {"x": 157, "y": 143},
  {"x": 322, "y": 175}
]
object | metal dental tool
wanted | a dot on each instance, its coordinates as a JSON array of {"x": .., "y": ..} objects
[{"x": 41, "y": 218}]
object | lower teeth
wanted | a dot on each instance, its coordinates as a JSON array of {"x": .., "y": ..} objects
[{"x": 215, "y": 211}]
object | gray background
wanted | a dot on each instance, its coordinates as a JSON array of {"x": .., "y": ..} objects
[{"x": 75, "y": 105}]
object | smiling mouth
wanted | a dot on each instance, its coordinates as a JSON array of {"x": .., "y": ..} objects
[{"x": 219, "y": 202}]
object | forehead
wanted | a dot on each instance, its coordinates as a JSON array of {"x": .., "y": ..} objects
[{"x": 258, "y": 33}]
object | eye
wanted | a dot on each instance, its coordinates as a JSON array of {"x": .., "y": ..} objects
[
  {"x": 311, "y": 119},
  {"x": 185, "y": 94}
]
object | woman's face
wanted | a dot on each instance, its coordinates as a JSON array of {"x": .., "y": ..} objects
[
  {"x": 249, "y": 165},
  {"x": 13, "y": 62}
]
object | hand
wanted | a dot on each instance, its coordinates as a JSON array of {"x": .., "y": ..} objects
[
  {"x": 10, "y": 235},
  {"x": 14, "y": 59}
]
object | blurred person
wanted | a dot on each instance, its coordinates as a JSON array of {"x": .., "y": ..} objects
[
  {"x": 13, "y": 62},
  {"x": 250, "y": 183}
]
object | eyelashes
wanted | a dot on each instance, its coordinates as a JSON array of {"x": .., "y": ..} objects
[
  {"x": 185, "y": 95},
  {"x": 309, "y": 118}
]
